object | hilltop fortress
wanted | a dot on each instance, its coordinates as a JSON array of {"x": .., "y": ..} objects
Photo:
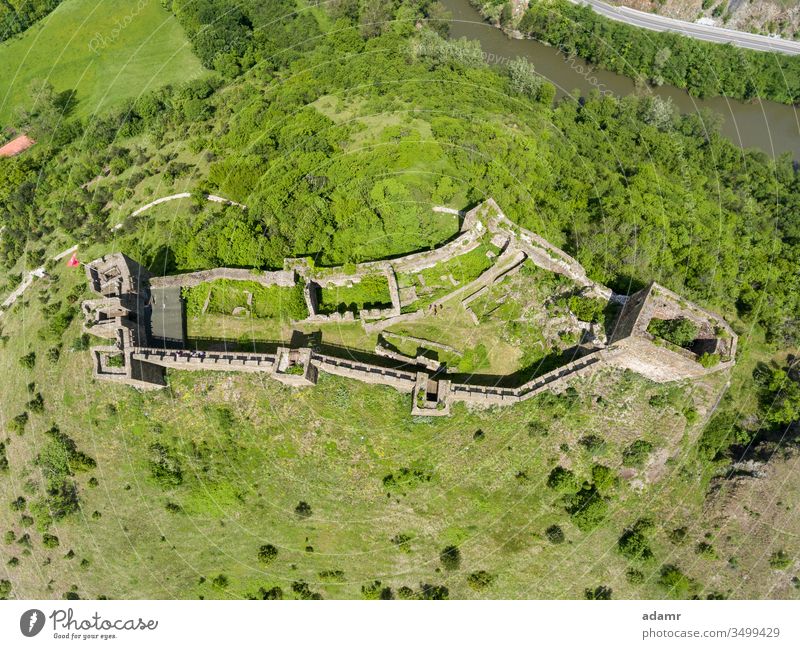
[{"x": 145, "y": 317}]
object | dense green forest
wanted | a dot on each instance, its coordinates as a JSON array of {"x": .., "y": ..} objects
[
  {"x": 702, "y": 68},
  {"x": 17, "y": 15},
  {"x": 635, "y": 191}
]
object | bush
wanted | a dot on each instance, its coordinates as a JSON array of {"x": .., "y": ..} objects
[
  {"x": 587, "y": 508},
  {"x": 705, "y": 550},
  {"x": 303, "y": 509},
  {"x": 53, "y": 354},
  {"x": 604, "y": 478},
  {"x": 678, "y": 585},
  {"x": 780, "y": 560},
  {"x": 633, "y": 545},
  {"x": 554, "y": 534},
  {"x": 634, "y": 576},
  {"x": 601, "y": 592},
  {"x": 450, "y": 557},
  {"x": 5, "y": 588},
  {"x": 165, "y": 467},
  {"x": 220, "y": 581},
  {"x": 28, "y": 361},
  {"x": 267, "y": 553},
  {"x": 36, "y": 405},
  {"x": 637, "y": 453},
  {"x": 480, "y": 580},
  {"x": 562, "y": 480},
  {"x": 402, "y": 541},
  {"x": 50, "y": 541},
  {"x": 708, "y": 360},
  {"x": 593, "y": 444},
  {"x": 679, "y": 331},
  {"x": 18, "y": 423},
  {"x": 587, "y": 309},
  {"x": 374, "y": 590}
]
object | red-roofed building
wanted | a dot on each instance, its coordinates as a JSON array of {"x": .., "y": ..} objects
[{"x": 16, "y": 146}]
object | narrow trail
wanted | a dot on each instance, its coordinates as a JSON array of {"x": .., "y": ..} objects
[
  {"x": 174, "y": 197},
  {"x": 40, "y": 272},
  {"x": 28, "y": 279}
]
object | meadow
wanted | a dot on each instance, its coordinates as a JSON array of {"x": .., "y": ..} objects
[{"x": 108, "y": 51}]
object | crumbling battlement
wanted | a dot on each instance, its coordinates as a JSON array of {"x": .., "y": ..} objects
[{"x": 123, "y": 310}]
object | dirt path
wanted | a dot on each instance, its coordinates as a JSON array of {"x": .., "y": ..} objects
[
  {"x": 28, "y": 279},
  {"x": 174, "y": 197}
]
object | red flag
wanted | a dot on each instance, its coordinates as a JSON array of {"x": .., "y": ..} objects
[{"x": 73, "y": 261}]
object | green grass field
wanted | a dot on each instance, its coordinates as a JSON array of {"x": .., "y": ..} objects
[{"x": 107, "y": 50}]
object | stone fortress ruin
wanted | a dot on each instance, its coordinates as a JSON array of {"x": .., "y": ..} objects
[{"x": 144, "y": 315}]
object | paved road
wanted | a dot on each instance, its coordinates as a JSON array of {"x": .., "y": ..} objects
[{"x": 701, "y": 32}]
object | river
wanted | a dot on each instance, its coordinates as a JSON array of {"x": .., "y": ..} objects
[{"x": 769, "y": 126}]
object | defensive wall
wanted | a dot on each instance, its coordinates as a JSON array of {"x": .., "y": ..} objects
[{"x": 123, "y": 312}]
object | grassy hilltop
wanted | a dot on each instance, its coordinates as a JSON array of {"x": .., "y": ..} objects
[
  {"x": 106, "y": 51},
  {"x": 230, "y": 486}
]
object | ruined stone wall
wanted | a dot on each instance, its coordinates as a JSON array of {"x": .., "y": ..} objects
[
  {"x": 284, "y": 278},
  {"x": 373, "y": 374},
  {"x": 218, "y": 361}
]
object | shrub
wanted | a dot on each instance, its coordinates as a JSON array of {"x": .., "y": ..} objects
[
  {"x": 604, "y": 478},
  {"x": 331, "y": 575},
  {"x": 600, "y": 592},
  {"x": 49, "y": 541},
  {"x": 636, "y": 454},
  {"x": 592, "y": 443},
  {"x": 18, "y": 504},
  {"x": 679, "y": 331},
  {"x": 373, "y": 590},
  {"x": 18, "y": 423},
  {"x": 587, "y": 508},
  {"x": 634, "y": 576},
  {"x": 705, "y": 550},
  {"x": 450, "y": 557},
  {"x": 81, "y": 344},
  {"x": 406, "y": 478},
  {"x": 5, "y": 588},
  {"x": 708, "y": 360},
  {"x": 675, "y": 582},
  {"x": 433, "y": 592},
  {"x": 53, "y": 354},
  {"x": 36, "y": 405},
  {"x": 402, "y": 541},
  {"x": 273, "y": 593},
  {"x": 633, "y": 545},
  {"x": 267, "y": 553},
  {"x": 3, "y": 458},
  {"x": 165, "y": 467},
  {"x": 480, "y": 580},
  {"x": 301, "y": 589},
  {"x": 28, "y": 361},
  {"x": 554, "y": 534},
  {"x": 587, "y": 309},
  {"x": 220, "y": 581},
  {"x": 562, "y": 480},
  {"x": 303, "y": 509},
  {"x": 10, "y": 537},
  {"x": 780, "y": 560}
]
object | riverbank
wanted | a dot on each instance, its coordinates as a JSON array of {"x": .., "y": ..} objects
[{"x": 769, "y": 126}]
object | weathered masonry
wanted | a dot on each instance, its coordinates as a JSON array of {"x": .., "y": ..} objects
[{"x": 144, "y": 317}]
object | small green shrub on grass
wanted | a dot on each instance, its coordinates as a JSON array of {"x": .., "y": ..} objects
[{"x": 636, "y": 454}]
